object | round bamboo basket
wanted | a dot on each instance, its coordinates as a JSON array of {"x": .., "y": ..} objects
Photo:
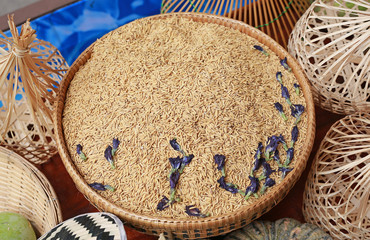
[
  {"x": 25, "y": 190},
  {"x": 331, "y": 41},
  {"x": 205, "y": 227},
  {"x": 337, "y": 190}
]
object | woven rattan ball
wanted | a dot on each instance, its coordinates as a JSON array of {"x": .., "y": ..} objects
[
  {"x": 25, "y": 190},
  {"x": 331, "y": 42},
  {"x": 338, "y": 186}
]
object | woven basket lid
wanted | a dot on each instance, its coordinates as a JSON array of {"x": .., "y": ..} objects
[
  {"x": 88, "y": 226},
  {"x": 25, "y": 190},
  {"x": 193, "y": 228}
]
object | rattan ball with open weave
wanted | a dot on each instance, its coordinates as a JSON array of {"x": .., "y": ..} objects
[
  {"x": 338, "y": 186},
  {"x": 25, "y": 190},
  {"x": 191, "y": 228},
  {"x": 276, "y": 18},
  {"x": 331, "y": 42}
]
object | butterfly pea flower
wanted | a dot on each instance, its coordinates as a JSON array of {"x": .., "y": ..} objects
[
  {"x": 296, "y": 88},
  {"x": 185, "y": 161},
  {"x": 176, "y": 146},
  {"x": 289, "y": 156},
  {"x": 282, "y": 140},
  {"x": 267, "y": 170},
  {"x": 285, "y": 94},
  {"x": 108, "y": 155},
  {"x": 279, "y": 77},
  {"x": 296, "y": 111},
  {"x": 295, "y": 132},
  {"x": 195, "y": 212},
  {"x": 284, "y": 171},
  {"x": 272, "y": 144},
  {"x": 227, "y": 186},
  {"x": 259, "y": 48},
  {"x": 175, "y": 162},
  {"x": 101, "y": 187},
  {"x": 163, "y": 204},
  {"x": 116, "y": 142},
  {"x": 269, "y": 182},
  {"x": 220, "y": 162},
  {"x": 252, "y": 188},
  {"x": 279, "y": 107},
  {"x": 80, "y": 153},
  {"x": 284, "y": 63},
  {"x": 257, "y": 164},
  {"x": 174, "y": 178}
]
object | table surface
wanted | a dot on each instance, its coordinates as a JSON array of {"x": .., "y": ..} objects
[{"x": 73, "y": 203}]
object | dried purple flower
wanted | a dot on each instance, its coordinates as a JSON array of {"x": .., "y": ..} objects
[
  {"x": 284, "y": 171},
  {"x": 252, "y": 188},
  {"x": 279, "y": 107},
  {"x": 164, "y": 203},
  {"x": 259, "y": 48},
  {"x": 284, "y": 63},
  {"x": 272, "y": 144},
  {"x": 296, "y": 111},
  {"x": 108, "y": 155},
  {"x": 294, "y": 135},
  {"x": 296, "y": 88},
  {"x": 289, "y": 156},
  {"x": 101, "y": 187},
  {"x": 116, "y": 142},
  {"x": 279, "y": 77},
  {"x": 269, "y": 182},
  {"x": 259, "y": 151},
  {"x": 174, "y": 178},
  {"x": 227, "y": 186},
  {"x": 282, "y": 140},
  {"x": 193, "y": 211},
  {"x": 220, "y": 162},
  {"x": 276, "y": 156},
  {"x": 187, "y": 159},
  {"x": 80, "y": 153},
  {"x": 175, "y": 162},
  {"x": 285, "y": 94},
  {"x": 267, "y": 170},
  {"x": 257, "y": 164}
]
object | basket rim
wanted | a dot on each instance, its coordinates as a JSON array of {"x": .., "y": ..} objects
[
  {"x": 166, "y": 223},
  {"x": 41, "y": 178}
]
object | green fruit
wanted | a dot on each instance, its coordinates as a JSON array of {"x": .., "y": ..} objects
[{"x": 14, "y": 226}]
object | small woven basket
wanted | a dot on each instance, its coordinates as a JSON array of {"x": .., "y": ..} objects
[
  {"x": 210, "y": 226},
  {"x": 276, "y": 18},
  {"x": 30, "y": 72},
  {"x": 331, "y": 42},
  {"x": 337, "y": 193},
  {"x": 25, "y": 190}
]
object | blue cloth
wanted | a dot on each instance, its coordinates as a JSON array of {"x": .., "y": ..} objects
[{"x": 73, "y": 28}]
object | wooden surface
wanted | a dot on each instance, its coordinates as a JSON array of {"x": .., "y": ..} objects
[{"x": 74, "y": 203}]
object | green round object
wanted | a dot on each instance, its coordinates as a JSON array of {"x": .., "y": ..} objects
[
  {"x": 14, "y": 226},
  {"x": 285, "y": 228}
]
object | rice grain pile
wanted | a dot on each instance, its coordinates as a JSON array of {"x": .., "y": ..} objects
[{"x": 148, "y": 82}]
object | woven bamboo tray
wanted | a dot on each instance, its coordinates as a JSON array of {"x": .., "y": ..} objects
[
  {"x": 206, "y": 227},
  {"x": 25, "y": 190}
]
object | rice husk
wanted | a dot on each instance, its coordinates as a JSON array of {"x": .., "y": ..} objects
[{"x": 204, "y": 84}]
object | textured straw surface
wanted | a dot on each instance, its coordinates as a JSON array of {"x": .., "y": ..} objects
[
  {"x": 275, "y": 18},
  {"x": 331, "y": 42},
  {"x": 337, "y": 189},
  {"x": 25, "y": 190},
  {"x": 186, "y": 228}
]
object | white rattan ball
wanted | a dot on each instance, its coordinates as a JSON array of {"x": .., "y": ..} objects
[
  {"x": 337, "y": 193},
  {"x": 331, "y": 41}
]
